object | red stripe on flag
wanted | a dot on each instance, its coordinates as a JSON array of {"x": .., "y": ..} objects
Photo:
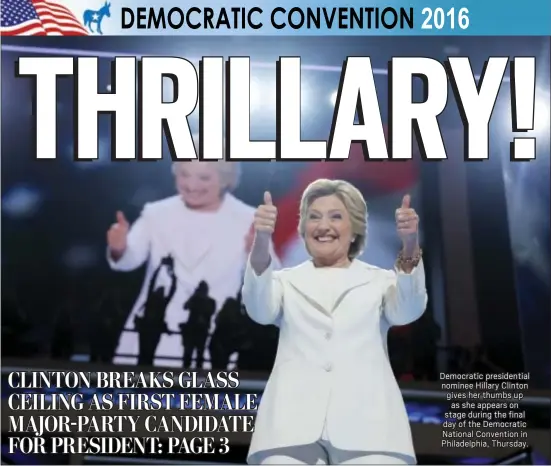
[{"x": 58, "y": 20}]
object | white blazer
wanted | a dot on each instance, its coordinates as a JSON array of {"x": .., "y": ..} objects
[
  {"x": 332, "y": 368},
  {"x": 213, "y": 251}
]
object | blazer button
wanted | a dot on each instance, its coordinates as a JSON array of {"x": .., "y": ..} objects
[
  {"x": 328, "y": 367},
  {"x": 328, "y": 335}
]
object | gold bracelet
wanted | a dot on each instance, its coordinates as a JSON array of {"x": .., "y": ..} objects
[{"x": 410, "y": 260}]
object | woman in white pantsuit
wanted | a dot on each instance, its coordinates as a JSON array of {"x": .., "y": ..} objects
[
  {"x": 204, "y": 231},
  {"x": 332, "y": 397}
]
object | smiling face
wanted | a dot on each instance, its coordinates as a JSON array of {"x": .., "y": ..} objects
[
  {"x": 199, "y": 184},
  {"x": 328, "y": 231}
]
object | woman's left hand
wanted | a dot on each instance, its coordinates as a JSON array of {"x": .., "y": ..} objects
[{"x": 407, "y": 224}]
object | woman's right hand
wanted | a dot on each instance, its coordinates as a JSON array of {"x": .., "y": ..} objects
[
  {"x": 117, "y": 236},
  {"x": 265, "y": 217}
]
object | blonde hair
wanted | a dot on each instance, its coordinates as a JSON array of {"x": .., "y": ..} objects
[
  {"x": 353, "y": 201},
  {"x": 230, "y": 172}
]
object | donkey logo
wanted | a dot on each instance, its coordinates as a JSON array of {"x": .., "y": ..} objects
[{"x": 96, "y": 17}]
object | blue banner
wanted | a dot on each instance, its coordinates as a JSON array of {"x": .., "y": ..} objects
[{"x": 219, "y": 17}]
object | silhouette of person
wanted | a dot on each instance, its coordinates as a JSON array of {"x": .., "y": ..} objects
[
  {"x": 195, "y": 331},
  {"x": 15, "y": 325},
  {"x": 62, "y": 343},
  {"x": 229, "y": 333},
  {"x": 105, "y": 327},
  {"x": 151, "y": 325}
]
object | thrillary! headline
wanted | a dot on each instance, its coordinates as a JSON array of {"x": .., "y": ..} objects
[{"x": 220, "y": 90}]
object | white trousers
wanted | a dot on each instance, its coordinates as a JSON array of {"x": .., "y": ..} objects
[
  {"x": 322, "y": 452},
  {"x": 318, "y": 453}
]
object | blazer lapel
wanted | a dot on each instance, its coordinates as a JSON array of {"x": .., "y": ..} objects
[
  {"x": 303, "y": 281},
  {"x": 356, "y": 275}
]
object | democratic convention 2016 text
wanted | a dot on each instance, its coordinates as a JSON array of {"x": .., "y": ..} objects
[{"x": 280, "y": 18}]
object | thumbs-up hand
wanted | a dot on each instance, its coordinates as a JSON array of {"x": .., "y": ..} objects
[
  {"x": 407, "y": 222},
  {"x": 117, "y": 235},
  {"x": 265, "y": 216}
]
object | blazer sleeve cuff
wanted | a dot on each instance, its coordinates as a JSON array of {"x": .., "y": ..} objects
[
  {"x": 261, "y": 295},
  {"x": 265, "y": 277},
  {"x": 125, "y": 263},
  {"x": 414, "y": 280}
]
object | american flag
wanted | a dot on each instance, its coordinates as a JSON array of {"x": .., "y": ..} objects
[{"x": 38, "y": 18}]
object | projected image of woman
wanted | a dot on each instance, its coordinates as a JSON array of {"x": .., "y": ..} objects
[
  {"x": 332, "y": 397},
  {"x": 195, "y": 244}
]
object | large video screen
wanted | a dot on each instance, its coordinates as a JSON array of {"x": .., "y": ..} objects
[{"x": 173, "y": 300}]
